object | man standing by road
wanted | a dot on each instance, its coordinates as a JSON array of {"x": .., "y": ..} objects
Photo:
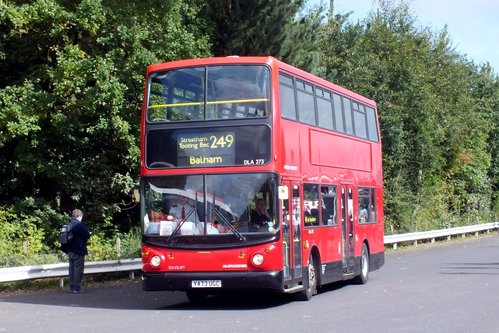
[{"x": 77, "y": 250}]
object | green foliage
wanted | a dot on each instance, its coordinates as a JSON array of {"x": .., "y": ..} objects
[
  {"x": 130, "y": 244},
  {"x": 20, "y": 238},
  {"x": 251, "y": 27},
  {"x": 262, "y": 27},
  {"x": 100, "y": 248},
  {"x": 118, "y": 246},
  {"x": 71, "y": 86},
  {"x": 437, "y": 113}
]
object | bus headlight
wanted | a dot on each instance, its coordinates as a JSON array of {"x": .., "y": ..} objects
[
  {"x": 155, "y": 261},
  {"x": 257, "y": 259}
]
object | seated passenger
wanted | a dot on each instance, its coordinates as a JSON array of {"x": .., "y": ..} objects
[{"x": 363, "y": 214}]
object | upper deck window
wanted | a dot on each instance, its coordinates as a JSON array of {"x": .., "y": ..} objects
[
  {"x": 359, "y": 120},
  {"x": 287, "y": 96},
  {"x": 306, "y": 107},
  {"x": 324, "y": 109},
  {"x": 371, "y": 124},
  {"x": 315, "y": 105},
  {"x": 213, "y": 92}
]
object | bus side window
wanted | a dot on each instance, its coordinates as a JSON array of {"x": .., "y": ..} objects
[
  {"x": 364, "y": 195},
  {"x": 329, "y": 202},
  {"x": 311, "y": 204}
]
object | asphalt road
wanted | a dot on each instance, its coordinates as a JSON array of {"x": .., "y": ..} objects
[{"x": 449, "y": 287}]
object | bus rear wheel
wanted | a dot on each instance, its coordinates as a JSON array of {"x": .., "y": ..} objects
[
  {"x": 364, "y": 266},
  {"x": 310, "y": 281}
]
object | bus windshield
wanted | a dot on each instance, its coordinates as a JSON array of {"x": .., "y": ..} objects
[
  {"x": 209, "y": 92},
  {"x": 210, "y": 205}
]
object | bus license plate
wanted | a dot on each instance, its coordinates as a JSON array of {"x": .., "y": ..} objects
[{"x": 206, "y": 283}]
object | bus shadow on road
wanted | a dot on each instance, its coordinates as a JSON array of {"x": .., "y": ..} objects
[
  {"x": 472, "y": 268},
  {"x": 237, "y": 301},
  {"x": 332, "y": 287},
  {"x": 255, "y": 300},
  {"x": 130, "y": 296}
]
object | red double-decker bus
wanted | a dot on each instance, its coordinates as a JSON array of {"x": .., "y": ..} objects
[{"x": 256, "y": 175}]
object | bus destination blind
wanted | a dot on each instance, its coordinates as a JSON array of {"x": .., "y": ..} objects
[{"x": 206, "y": 149}]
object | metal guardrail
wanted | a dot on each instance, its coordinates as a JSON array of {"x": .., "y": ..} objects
[
  {"x": 442, "y": 233},
  {"x": 12, "y": 274}
]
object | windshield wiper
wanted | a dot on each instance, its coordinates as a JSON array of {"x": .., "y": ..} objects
[
  {"x": 175, "y": 231},
  {"x": 231, "y": 227}
]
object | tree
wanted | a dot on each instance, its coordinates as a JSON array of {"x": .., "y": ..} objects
[
  {"x": 262, "y": 28},
  {"x": 71, "y": 85},
  {"x": 435, "y": 160}
]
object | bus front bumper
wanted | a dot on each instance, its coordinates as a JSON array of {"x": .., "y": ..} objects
[{"x": 266, "y": 280}]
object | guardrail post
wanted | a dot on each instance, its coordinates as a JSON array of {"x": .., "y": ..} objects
[
  {"x": 61, "y": 282},
  {"x": 433, "y": 240},
  {"x": 394, "y": 246},
  {"x": 118, "y": 246},
  {"x": 415, "y": 243}
]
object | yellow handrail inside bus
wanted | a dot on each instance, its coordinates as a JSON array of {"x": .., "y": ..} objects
[{"x": 157, "y": 106}]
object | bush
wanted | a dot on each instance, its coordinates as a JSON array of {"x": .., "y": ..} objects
[
  {"x": 100, "y": 248},
  {"x": 20, "y": 238},
  {"x": 130, "y": 244},
  {"x": 120, "y": 246},
  {"x": 25, "y": 242}
]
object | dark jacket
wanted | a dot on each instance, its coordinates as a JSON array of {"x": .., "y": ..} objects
[
  {"x": 81, "y": 235},
  {"x": 258, "y": 219}
]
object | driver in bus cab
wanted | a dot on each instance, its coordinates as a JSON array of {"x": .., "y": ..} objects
[
  {"x": 183, "y": 210},
  {"x": 260, "y": 216}
]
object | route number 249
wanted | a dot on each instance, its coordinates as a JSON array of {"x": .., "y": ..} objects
[{"x": 221, "y": 141}]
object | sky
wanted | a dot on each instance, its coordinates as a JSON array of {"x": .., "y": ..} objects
[{"x": 473, "y": 25}]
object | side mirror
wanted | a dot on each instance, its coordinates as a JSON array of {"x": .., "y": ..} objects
[{"x": 283, "y": 192}]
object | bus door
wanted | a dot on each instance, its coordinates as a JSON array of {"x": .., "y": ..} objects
[
  {"x": 347, "y": 229},
  {"x": 291, "y": 233}
]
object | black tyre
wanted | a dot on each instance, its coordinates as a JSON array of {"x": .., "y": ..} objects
[
  {"x": 310, "y": 281},
  {"x": 364, "y": 266}
]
